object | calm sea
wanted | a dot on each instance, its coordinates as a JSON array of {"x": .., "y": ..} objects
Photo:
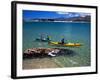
[{"x": 72, "y": 32}]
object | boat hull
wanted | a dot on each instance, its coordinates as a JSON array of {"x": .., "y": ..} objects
[
  {"x": 65, "y": 44},
  {"x": 42, "y": 40}
]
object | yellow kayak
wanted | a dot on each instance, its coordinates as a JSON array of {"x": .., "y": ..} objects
[{"x": 65, "y": 44}]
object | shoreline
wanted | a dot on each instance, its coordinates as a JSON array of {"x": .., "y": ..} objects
[{"x": 58, "y": 21}]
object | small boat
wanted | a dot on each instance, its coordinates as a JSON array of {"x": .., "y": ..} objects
[
  {"x": 42, "y": 40},
  {"x": 65, "y": 44}
]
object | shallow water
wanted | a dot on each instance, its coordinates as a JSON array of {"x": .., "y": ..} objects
[{"x": 72, "y": 32}]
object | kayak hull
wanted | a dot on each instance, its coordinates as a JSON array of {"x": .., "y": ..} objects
[
  {"x": 65, "y": 44},
  {"x": 42, "y": 40}
]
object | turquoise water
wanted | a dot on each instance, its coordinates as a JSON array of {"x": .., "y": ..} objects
[{"x": 72, "y": 32}]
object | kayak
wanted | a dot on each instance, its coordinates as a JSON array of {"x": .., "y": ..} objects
[
  {"x": 65, "y": 44},
  {"x": 42, "y": 40}
]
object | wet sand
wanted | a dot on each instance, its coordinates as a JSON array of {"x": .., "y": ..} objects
[{"x": 39, "y": 63}]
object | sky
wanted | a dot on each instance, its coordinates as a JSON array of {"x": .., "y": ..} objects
[{"x": 31, "y": 14}]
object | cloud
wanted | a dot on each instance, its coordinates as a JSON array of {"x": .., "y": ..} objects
[
  {"x": 60, "y": 12},
  {"x": 73, "y": 14},
  {"x": 76, "y": 15},
  {"x": 84, "y": 14}
]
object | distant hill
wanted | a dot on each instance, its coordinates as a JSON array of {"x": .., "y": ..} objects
[{"x": 86, "y": 18}]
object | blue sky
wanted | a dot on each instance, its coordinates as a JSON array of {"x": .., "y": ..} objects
[{"x": 29, "y": 14}]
